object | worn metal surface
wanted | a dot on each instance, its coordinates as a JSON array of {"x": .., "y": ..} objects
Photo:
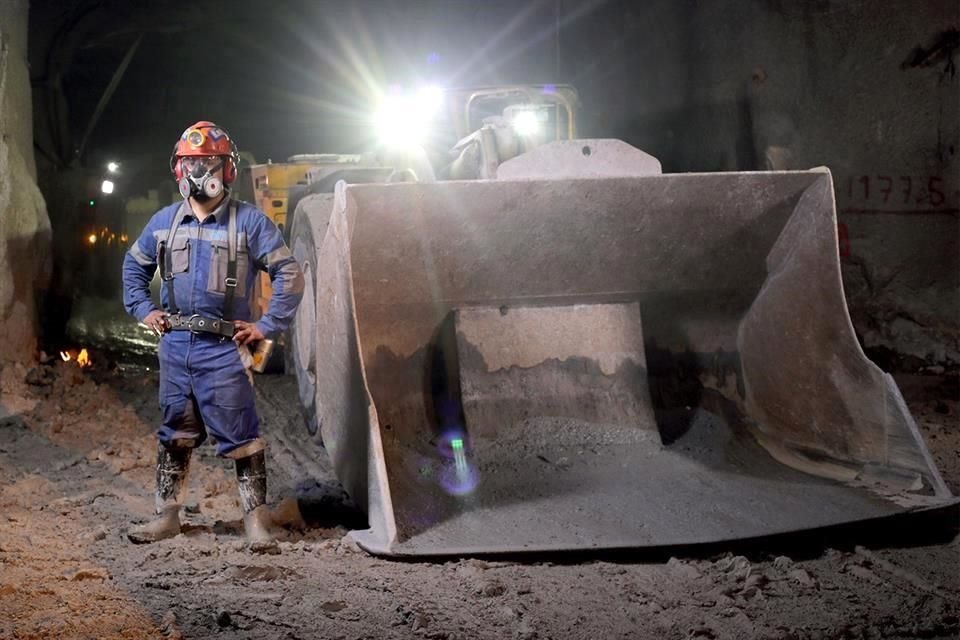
[
  {"x": 552, "y": 484},
  {"x": 702, "y": 256},
  {"x": 595, "y": 158},
  {"x": 820, "y": 404},
  {"x": 576, "y": 361},
  {"x": 341, "y": 405}
]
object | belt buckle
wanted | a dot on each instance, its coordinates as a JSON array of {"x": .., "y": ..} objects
[{"x": 190, "y": 324}]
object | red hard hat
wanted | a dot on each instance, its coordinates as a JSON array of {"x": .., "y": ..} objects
[{"x": 205, "y": 138}]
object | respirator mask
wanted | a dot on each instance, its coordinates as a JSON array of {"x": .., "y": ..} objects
[{"x": 198, "y": 179}]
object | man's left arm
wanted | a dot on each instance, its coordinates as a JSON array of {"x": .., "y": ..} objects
[{"x": 269, "y": 251}]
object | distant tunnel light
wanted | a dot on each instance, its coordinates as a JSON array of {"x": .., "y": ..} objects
[
  {"x": 112, "y": 167},
  {"x": 107, "y": 186}
]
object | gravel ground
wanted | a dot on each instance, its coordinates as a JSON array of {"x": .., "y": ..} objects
[{"x": 77, "y": 464}]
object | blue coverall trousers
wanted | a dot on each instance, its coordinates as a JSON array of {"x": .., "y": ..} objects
[{"x": 205, "y": 390}]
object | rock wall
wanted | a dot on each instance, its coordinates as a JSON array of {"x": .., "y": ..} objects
[
  {"x": 868, "y": 88},
  {"x": 24, "y": 224}
]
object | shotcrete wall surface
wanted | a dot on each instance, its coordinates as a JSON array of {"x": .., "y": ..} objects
[
  {"x": 24, "y": 224},
  {"x": 869, "y": 89}
]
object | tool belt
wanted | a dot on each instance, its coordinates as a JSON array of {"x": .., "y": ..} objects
[{"x": 200, "y": 324}]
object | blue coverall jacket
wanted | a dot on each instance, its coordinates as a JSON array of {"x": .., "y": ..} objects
[{"x": 205, "y": 387}]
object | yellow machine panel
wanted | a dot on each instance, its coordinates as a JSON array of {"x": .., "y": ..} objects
[{"x": 271, "y": 188}]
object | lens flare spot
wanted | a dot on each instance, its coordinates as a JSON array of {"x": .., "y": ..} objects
[{"x": 459, "y": 478}]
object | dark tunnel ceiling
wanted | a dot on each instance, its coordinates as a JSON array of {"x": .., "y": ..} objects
[{"x": 284, "y": 77}]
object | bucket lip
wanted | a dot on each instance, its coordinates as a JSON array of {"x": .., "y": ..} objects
[
  {"x": 813, "y": 172},
  {"x": 838, "y": 532}
]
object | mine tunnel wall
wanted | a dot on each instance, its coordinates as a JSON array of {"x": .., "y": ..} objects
[
  {"x": 24, "y": 225},
  {"x": 869, "y": 89}
]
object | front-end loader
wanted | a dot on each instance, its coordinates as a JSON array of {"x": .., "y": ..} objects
[
  {"x": 585, "y": 353},
  {"x": 459, "y": 134}
]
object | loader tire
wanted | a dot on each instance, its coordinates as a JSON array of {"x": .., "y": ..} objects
[{"x": 306, "y": 235}]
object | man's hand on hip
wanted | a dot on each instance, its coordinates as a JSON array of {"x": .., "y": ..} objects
[
  {"x": 156, "y": 321},
  {"x": 247, "y": 332}
]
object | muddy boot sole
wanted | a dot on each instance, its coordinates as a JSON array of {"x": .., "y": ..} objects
[
  {"x": 165, "y": 526},
  {"x": 256, "y": 526}
]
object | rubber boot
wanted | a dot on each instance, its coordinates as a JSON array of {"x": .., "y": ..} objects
[
  {"x": 173, "y": 463},
  {"x": 252, "y": 484}
]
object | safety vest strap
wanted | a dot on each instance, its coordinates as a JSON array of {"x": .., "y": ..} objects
[
  {"x": 163, "y": 258},
  {"x": 230, "y": 282},
  {"x": 166, "y": 267}
]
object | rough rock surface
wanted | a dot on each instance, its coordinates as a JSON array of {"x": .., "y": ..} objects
[{"x": 24, "y": 225}]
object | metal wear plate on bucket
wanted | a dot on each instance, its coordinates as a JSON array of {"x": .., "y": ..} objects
[
  {"x": 601, "y": 363},
  {"x": 579, "y": 361}
]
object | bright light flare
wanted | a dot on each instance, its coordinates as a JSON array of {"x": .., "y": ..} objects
[
  {"x": 462, "y": 478},
  {"x": 526, "y": 123},
  {"x": 92, "y": 238},
  {"x": 430, "y": 99},
  {"x": 404, "y": 120},
  {"x": 459, "y": 457},
  {"x": 107, "y": 186},
  {"x": 113, "y": 167}
]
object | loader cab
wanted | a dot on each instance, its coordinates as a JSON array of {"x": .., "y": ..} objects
[
  {"x": 465, "y": 133},
  {"x": 495, "y": 124},
  {"x": 550, "y": 108}
]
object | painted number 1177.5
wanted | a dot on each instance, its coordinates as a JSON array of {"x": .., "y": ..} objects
[{"x": 900, "y": 190}]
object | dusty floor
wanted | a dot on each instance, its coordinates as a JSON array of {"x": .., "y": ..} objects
[{"x": 76, "y": 466}]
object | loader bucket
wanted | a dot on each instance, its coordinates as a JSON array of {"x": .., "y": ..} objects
[{"x": 608, "y": 362}]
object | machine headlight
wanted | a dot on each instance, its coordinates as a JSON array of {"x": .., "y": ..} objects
[
  {"x": 107, "y": 186},
  {"x": 405, "y": 119},
  {"x": 526, "y": 123}
]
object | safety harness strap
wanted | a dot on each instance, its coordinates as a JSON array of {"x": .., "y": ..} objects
[
  {"x": 166, "y": 267},
  {"x": 165, "y": 263},
  {"x": 230, "y": 282}
]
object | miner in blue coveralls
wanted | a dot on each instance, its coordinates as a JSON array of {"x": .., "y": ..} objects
[{"x": 209, "y": 248}]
